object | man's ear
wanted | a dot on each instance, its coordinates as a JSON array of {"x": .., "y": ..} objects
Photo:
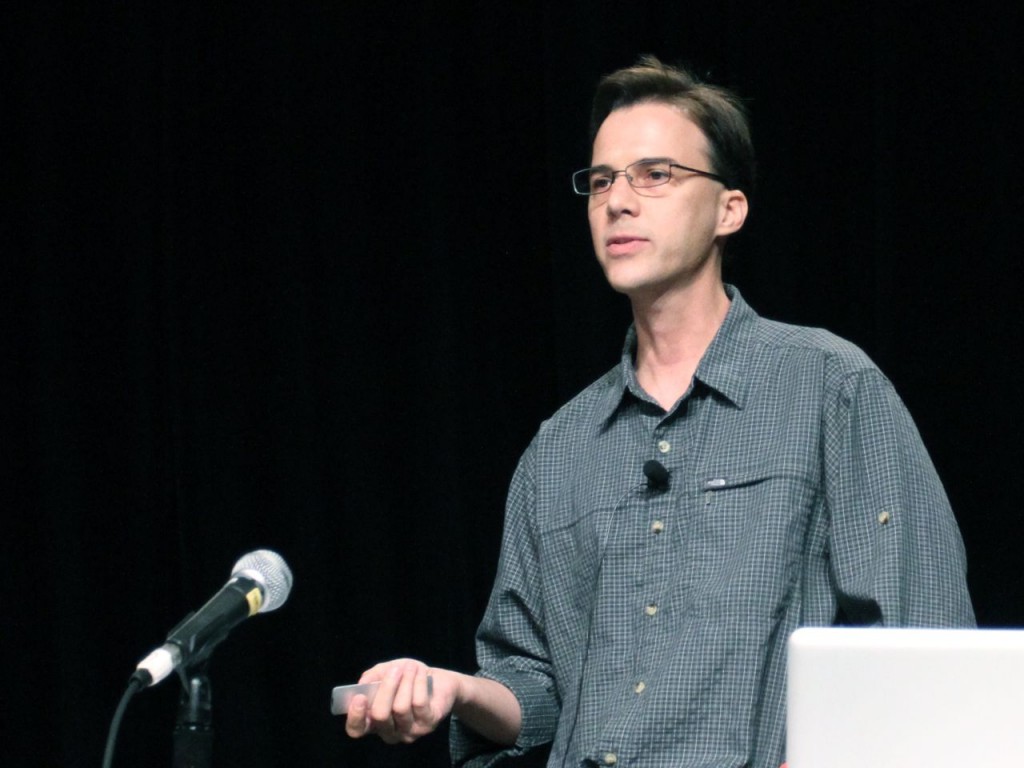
[{"x": 732, "y": 207}]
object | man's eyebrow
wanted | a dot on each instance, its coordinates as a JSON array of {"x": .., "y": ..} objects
[{"x": 605, "y": 168}]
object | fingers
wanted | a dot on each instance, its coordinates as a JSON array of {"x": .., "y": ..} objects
[
  {"x": 408, "y": 715},
  {"x": 400, "y": 711},
  {"x": 402, "y": 718},
  {"x": 384, "y": 720},
  {"x": 421, "y": 695}
]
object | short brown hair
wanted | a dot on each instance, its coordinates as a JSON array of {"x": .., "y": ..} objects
[{"x": 718, "y": 112}]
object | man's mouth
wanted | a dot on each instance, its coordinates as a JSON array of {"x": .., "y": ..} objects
[{"x": 621, "y": 245}]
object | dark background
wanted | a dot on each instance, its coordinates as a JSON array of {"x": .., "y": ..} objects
[{"x": 308, "y": 276}]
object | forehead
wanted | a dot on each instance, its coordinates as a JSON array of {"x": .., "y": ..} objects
[{"x": 648, "y": 130}]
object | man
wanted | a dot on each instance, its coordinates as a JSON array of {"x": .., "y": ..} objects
[{"x": 667, "y": 529}]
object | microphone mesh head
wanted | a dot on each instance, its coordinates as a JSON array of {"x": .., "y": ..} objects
[{"x": 271, "y": 572}]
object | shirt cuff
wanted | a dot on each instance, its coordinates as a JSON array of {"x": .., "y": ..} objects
[{"x": 539, "y": 707}]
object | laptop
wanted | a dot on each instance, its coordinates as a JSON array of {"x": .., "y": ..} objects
[{"x": 905, "y": 698}]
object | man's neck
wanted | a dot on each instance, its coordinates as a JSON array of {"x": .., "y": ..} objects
[{"x": 673, "y": 331}]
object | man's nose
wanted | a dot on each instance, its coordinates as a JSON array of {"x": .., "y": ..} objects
[{"x": 621, "y": 195}]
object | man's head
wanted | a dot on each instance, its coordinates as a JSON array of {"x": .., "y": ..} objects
[
  {"x": 663, "y": 198},
  {"x": 716, "y": 111}
]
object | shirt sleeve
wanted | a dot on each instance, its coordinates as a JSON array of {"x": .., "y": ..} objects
[
  {"x": 897, "y": 557},
  {"x": 511, "y": 643}
]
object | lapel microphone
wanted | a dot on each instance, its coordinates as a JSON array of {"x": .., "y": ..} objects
[{"x": 657, "y": 475}]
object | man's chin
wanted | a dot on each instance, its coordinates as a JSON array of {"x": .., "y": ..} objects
[{"x": 623, "y": 278}]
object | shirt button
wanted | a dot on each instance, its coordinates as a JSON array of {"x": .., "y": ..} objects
[
  {"x": 664, "y": 446},
  {"x": 639, "y": 687},
  {"x": 657, "y": 526},
  {"x": 610, "y": 759},
  {"x": 650, "y": 609}
]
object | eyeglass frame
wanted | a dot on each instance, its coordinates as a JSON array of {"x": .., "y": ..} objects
[{"x": 629, "y": 179}]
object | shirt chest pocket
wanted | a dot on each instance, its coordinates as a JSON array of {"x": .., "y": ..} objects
[
  {"x": 742, "y": 543},
  {"x": 751, "y": 489}
]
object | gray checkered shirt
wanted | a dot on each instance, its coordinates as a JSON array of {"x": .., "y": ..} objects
[{"x": 647, "y": 626}]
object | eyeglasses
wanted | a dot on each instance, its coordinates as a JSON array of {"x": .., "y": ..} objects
[{"x": 642, "y": 174}]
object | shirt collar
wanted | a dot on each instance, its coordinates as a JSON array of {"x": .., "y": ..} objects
[
  {"x": 723, "y": 368},
  {"x": 724, "y": 365}
]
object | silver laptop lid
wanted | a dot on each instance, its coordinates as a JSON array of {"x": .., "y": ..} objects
[{"x": 903, "y": 698}]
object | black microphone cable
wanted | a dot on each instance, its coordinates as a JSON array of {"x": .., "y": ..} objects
[{"x": 135, "y": 684}]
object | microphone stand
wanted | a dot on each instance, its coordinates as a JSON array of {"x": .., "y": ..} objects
[{"x": 193, "y": 730}]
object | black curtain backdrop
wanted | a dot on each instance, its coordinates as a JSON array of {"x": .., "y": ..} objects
[{"x": 308, "y": 276}]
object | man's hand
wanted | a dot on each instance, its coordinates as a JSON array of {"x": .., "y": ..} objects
[{"x": 404, "y": 708}]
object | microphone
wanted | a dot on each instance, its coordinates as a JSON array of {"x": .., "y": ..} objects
[
  {"x": 260, "y": 582},
  {"x": 657, "y": 475}
]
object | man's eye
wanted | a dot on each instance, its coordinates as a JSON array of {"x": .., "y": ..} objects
[
  {"x": 600, "y": 183},
  {"x": 657, "y": 174}
]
